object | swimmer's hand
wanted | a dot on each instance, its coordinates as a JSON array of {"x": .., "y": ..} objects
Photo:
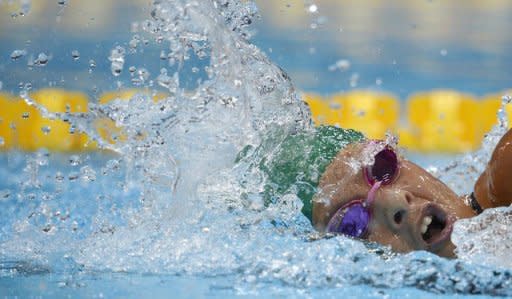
[{"x": 494, "y": 187}]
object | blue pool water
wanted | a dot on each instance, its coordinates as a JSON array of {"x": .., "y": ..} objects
[{"x": 165, "y": 212}]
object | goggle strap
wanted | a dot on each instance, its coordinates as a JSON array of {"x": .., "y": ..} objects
[{"x": 371, "y": 194}]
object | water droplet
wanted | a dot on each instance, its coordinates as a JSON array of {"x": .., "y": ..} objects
[
  {"x": 1, "y": 85},
  {"x": 62, "y": 2},
  {"x": 25, "y": 115},
  {"x": 342, "y": 65},
  {"x": 111, "y": 166},
  {"x": 49, "y": 228},
  {"x": 87, "y": 174},
  {"x": 2, "y": 142},
  {"x": 443, "y": 52},
  {"x": 73, "y": 176},
  {"x": 59, "y": 177},
  {"x": 17, "y": 54},
  {"x": 134, "y": 42},
  {"x": 92, "y": 65},
  {"x": 354, "y": 79},
  {"x": 313, "y": 8},
  {"x": 24, "y": 94},
  {"x": 378, "y": 81},
  {"x": 75, "y": 160},
  {"x": 46, "y": 129},
  {"x": 42, "y": 59},
  {"x": 30, "y": 62},
  {"x": 117, "y": 60},
  {"x": 5, "y": 194},
  {"x": 163, "y": 55},
  {"x": 42, "y": 157},
  {"x": 142, "y": 76},
  {"x": 26, "y": 5},
  {"x": 75, "y": 54},
  {"x": 132, "y": 70}
]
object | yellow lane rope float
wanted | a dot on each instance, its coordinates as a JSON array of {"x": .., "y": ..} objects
[
  {"x": 435, "y": 121},
  {"x": 445, "y": 120},
  {"x": 22, "y": 126},
  {"x": 369, "y": 112}
]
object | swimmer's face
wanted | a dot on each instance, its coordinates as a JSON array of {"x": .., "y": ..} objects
[{"x": 400, "y": 210}]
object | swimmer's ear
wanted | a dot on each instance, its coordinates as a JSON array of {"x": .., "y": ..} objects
[{"x": 493, "y": 188}]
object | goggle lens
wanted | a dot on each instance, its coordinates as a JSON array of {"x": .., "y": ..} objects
[
  {"x": 384, "y": 169},
  {"x": 351, "y": 220}
]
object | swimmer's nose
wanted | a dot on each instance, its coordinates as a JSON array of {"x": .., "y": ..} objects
[{"x": 393, "y": 208}]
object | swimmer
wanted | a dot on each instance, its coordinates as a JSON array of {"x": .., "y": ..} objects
[{"x": 389, "y": 200}]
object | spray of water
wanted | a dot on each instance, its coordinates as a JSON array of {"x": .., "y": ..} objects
[{"x": 170, "y": 198}]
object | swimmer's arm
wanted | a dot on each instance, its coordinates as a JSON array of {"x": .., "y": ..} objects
[{"x": 494, "y": 187}]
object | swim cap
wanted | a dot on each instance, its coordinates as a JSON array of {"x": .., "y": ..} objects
[{"x": 298, "y": 162}]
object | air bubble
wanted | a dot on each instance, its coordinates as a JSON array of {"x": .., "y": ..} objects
[
  {"x": 17, "y": 54},
  {"x": 75, "y": 54}
]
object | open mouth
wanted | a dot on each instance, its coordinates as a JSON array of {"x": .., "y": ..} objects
[{"x": 435, "y": 225}]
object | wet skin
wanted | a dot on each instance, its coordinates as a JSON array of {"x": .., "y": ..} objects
[{"x": 400, "y": 208}]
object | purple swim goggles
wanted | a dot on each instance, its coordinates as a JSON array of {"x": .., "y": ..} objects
[{"x": 353, "y": 218}]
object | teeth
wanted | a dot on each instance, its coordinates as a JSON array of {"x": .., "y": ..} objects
[{"x": 425, "y": 223}]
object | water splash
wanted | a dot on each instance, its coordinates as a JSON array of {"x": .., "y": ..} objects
[
  {"x": 468, "y": 167},
  {"x": 169, "y": 198}
]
